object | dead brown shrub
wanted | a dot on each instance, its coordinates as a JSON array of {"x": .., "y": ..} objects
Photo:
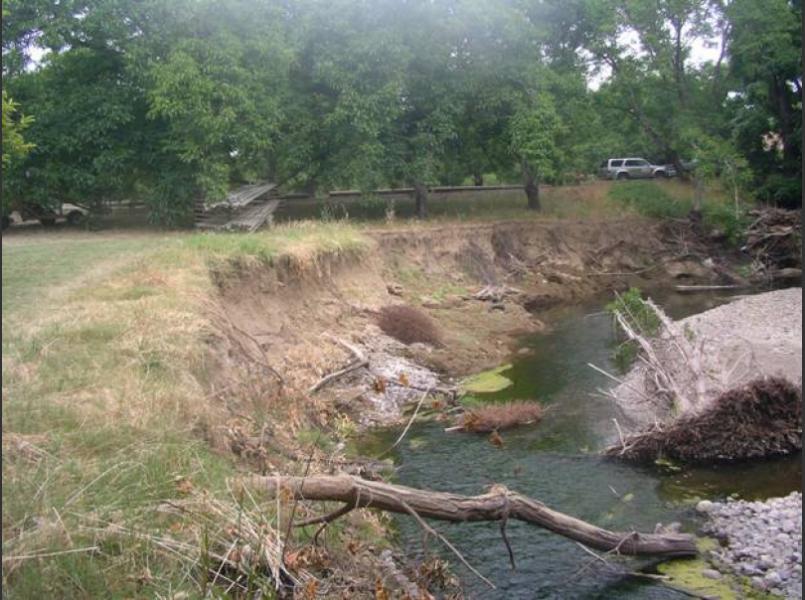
[
  {"x": 408, "y": 325},
  {"x": 496, "y": 417},
  {"x": 762, "y": 418}
]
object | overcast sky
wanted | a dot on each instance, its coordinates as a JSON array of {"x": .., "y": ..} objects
[{"x": 700, "y": 52}]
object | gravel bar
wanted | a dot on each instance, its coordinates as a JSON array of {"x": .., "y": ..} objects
[{"x": 763, "y": 541}]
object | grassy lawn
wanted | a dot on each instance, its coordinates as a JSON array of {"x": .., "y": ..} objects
[
  {"x": 34, "y": 268},
  {"x": 105, "y": 408}
]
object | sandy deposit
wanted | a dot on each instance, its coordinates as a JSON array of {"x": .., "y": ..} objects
[{"x": 725, "y": 347}]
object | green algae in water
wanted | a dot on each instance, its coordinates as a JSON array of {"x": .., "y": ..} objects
[
  {"x": 417, "y": 442},
  {"x": 547, "y": 463},
  {"x": 487, "y": 382},
  {"x": 686, "y": 574}
]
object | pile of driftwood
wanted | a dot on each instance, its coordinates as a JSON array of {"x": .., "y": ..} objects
[
  {"x": 762, "y": 418},
  {"x": 495, "y": 293},
  {"x": 774, "y": 241},
  {"x": 698, "y": 418}
]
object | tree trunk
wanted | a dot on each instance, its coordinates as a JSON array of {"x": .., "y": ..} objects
[
  {"x": 779, "y": 90},
  {"x": 531, "y": 180},
  {"x": 421, "y": 199},
  {"x": 478, "y": 179},
  {"x": 676, "y": 160},
  {"x": 498, "y": 504},
  {"x": 695, "y": 215},
  {"x": 698, "y": 193}
]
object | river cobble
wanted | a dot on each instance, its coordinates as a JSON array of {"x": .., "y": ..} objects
[{"x": 763, "y": 541}]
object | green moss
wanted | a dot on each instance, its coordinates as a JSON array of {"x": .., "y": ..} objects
[
  {"x": 687, "y": 574},
  {"x": 487, "y": 382}
]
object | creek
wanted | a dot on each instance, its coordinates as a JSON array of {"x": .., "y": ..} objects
[{"x": 557, "y": 462}]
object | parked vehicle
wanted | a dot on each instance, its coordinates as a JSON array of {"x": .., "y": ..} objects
[
  {"x": 48, "y": 217},
  {"x": 633, "y": 168}
]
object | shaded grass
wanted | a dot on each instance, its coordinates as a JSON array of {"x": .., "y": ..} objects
[
  {"x": 577, "y": 201},
  {"x": 649, "y": 199}
]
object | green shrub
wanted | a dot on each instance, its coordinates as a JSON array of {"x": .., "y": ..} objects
[
  {"x": 640, "y": 317},
  {"x": 649, "y": 199},
  {"x": 724, "y": 217}
]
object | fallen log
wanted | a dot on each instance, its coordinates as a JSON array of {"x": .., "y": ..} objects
[
  {"x": 708, "y": 288},
  {"x": 499, "y": 504},
  {"x": 787, "y": 274}
]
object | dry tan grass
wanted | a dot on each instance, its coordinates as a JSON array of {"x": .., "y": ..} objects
[
  {"x": 28, "y": 448},
  {"x": 138, "y": 351},
  {"x": 116, "y": 364}
]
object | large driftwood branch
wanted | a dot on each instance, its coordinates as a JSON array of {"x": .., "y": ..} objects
[{"x": 498, "y": 504}]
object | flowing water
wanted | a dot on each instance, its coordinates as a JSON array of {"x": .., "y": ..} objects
[{"x": 556, "y": 462}]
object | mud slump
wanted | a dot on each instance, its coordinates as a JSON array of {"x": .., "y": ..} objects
[{"x": 556, "y": 461}]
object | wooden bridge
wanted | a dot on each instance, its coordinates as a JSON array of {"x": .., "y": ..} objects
[
  {"x": 246, "y": 209},
  {"x": 252, "y": 206}
]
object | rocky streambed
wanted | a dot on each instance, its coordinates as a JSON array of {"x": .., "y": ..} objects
[{"x": 762, "y": 541}]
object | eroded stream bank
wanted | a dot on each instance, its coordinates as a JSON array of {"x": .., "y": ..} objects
[
  {"x": 557, "y": 462},
  {"x": 315, "y": 317}
]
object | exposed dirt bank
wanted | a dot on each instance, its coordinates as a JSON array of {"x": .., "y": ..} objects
[{"x": 298, "y": 311}]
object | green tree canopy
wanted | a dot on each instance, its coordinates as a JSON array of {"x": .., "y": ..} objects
[{"x": 169, "y": 101}]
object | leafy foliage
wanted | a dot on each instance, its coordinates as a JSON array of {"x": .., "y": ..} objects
[
  {"x": 170, "y": 101},
  {"x": 14, "y": 123},
  {"x": 631, "y": 307}
]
